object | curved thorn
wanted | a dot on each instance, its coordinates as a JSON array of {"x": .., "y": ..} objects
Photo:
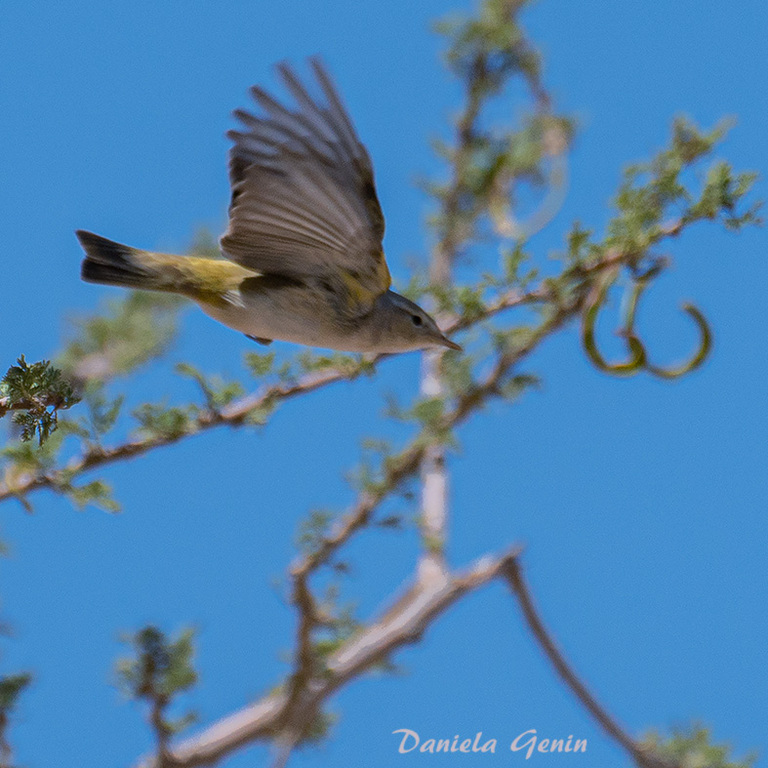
[
  {"x": 637, "y": 356},
  {"x": 698, "y": 358}
]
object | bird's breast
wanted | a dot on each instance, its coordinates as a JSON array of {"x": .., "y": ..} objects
[{"x": 290, "y": 312}]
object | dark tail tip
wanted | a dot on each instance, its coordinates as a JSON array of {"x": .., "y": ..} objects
[
  {"x": 98, "y": 248},
  {"x": 109, "y": 262}
]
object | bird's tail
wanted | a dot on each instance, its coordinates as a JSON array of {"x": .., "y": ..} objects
[
  {"x": 112, "y": 263},
  {"x": 199, "y": 278}
]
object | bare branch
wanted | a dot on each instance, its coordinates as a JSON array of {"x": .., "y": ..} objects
[
  {"x": 642, "y": 756},
  {"x": 434, "y": 479},
  {"x": 305, "y": 662},
  {"x": 281, "y": 716},
  {"x": 160, "y": 728},
  {"x": 283, "y": 749}
]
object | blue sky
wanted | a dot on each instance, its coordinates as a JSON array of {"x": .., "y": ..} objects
[{"x": 642, "y": 504}]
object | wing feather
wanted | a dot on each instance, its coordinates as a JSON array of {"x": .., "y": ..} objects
[{"x": 304, "y": 202}]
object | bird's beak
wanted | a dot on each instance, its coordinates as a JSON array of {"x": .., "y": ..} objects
[{"x": 446, "y": 342}]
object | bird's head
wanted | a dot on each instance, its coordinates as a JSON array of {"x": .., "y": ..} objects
[{"x": 405, "y": 326}]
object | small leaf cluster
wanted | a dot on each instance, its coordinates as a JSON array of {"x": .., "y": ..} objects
[
  {"x": 693, "y": 748},
  {"x": 217, "y": 392},
  {"x": 260, "y": 365},
  {"x": 305, "y": 362},
  {"x": 36, "y": 393},
  {"x": 655, "y": 191},
  {"x": 338, "y": 626},
  {"x": 350, "y": 366},
  {"x": 319, "y": 729},
  {"x": 96, "y": 493},
  {"x": 654, "y": 202},
  {"x": 25, "y": 458},
  {"x": 487, "y": 51},
  {"x": 491, "y": 39},
  {"x": 128, "y": 333},
  {"x": 11, "y": 687},
  {"x": 313, "y": 530},
  {"x": 30, "y": 458},
  {"x": 722, "y": 192},
  {"x": 368, "y": 476},
  {"x": 656, "y": 195},
  {"x": 159, "y": 670},
  {"x": 158, "y": 421},
  {"x": 100, "y": 416}
]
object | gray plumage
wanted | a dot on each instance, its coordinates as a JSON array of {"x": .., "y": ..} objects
[{"x": 304, "y": 242}]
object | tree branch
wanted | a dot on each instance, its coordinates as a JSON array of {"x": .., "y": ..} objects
[
  {"x": 643, "y": 757},
  {"x": 282, "y": 716},
  {"x": 6, "y": 753},
  {"x": 30, "y": 404},
  {"x": 455, "y": 232},
  {"x": 406, "y": 463},
  {"x": 404, "y": 623},
  {"x": 289, "y": 711}
]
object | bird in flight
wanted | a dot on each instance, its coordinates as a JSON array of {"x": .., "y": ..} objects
[{"x": 303, "y": 258}]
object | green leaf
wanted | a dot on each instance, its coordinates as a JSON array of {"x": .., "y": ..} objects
[
  {"x": 35, "y": 393},
  {"x": 348, "y": 365},
  {"x": 313, "y": 530},
  {"x": 429, "y": 411},
  {"x": 97, "y": 492},
  {"x": 217, "y": 392},
  {"x": 319, "y": 729},
  {"x": 164, "y": 423},
  {"x": 158, "y": 671},
  {"x": 259, "y": 365}
]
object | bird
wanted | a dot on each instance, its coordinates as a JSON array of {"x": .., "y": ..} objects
[{"x": 303, "y": 260}]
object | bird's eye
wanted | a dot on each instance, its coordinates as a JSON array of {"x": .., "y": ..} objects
[{"x": 416, "y": 320}]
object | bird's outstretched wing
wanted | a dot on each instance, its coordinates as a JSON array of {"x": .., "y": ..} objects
[{"x": 304, "y": 202}]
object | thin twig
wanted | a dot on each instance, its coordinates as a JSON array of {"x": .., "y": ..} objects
[
  {"x": 6, "y": 753},
  {"x": 157, "y": 721},
  {"x": 29, "y": 404}
]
